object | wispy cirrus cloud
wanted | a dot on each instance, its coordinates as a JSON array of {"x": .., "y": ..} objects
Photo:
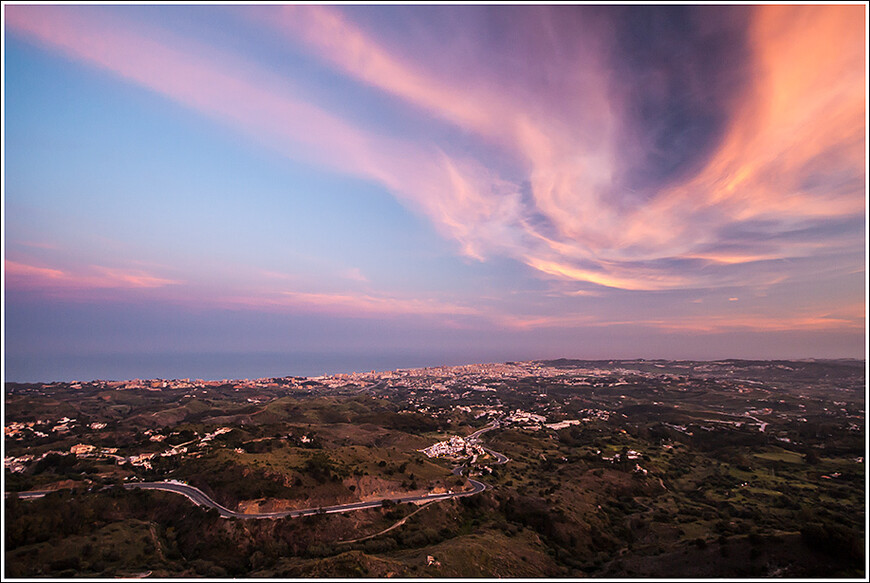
[
  {"x": 24, "y": 272},
  {"x": 377, "y": 305},
  {"x": 344, "y": 304},
  {"x": 354, "y": 274},
  {"x": 261, "y": 293},
  {"x": 704, "y": 323},
  {"x": 565, "y": 154},
  {"x": 22, "y": 276},
  {"x": 465, "y": 199},
  {"x": 798, "y": 122},
  {"x": 356, "y": 53},
  {"x": 209, "y": 81},
  {"x": 369, "y": 304},
  {"x": 790, "y": 153}
]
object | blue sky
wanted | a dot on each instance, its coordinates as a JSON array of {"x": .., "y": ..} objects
[{"x": 424, "y": 184}]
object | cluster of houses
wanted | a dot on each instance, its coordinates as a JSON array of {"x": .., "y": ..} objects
[
  {"x": 454, "y": 447},
  {"x": 535, "y": 421},
  {"x": 562, "y": 424},
  {"x": 522, "y": 417},
  {"x": 16, "y": 465},
  {"x": 590, "y": 414},
  {"x": 84, "y": 450},
  {"x": 629, "y": 455},
  {"x": 19, "y": 429}
]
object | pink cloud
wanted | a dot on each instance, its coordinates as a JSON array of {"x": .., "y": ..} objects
[
  {"x": 355, "y": 274},
  {"x": 460, "y": 194},
  {"x": 234, "y": 91},
  {"x": 697, "y": 323},
  {"x": 797, "y": 109},
  {"x": 628, "y": 279},
  {"x": 24, "y": 276},
  {"x": 756, "y": 323},
  {"x": 344, "y": 44},
  {"x": 371, "y": 304},
  {"x": 92, "y": 283},
  {"x": 16, "y": 270},
  {"x": 803, "y": 113},
  {"x": 363, "y": 305},
  {"x": 569, "y": 160}
]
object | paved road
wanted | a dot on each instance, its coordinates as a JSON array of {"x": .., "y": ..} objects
[
  {"x": 500, "y": 458},
  {"x": 32, "y": 494},
  {"x": 200, "y": 498},
  {"x": 475, "y": 437}
]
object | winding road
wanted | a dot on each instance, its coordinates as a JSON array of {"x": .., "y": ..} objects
[
  {"x": 200, "y": 498},
  {"x": 475, "y": 438}
]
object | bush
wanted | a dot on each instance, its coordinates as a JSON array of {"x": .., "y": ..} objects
[{"x": 835, "y": 540}]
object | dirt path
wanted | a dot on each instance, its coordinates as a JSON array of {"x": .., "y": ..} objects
[
  {"x": 397, "y": 525},
  {"x": 157, "y": 545}
]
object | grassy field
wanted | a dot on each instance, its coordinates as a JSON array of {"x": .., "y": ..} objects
[
  {"x": 781, "y": 455},
  {"x": 128, "y": 546}
]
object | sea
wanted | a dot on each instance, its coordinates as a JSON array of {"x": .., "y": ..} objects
[{"x": 210, "y": 366}]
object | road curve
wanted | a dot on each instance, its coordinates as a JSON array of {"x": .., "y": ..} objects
[
  {"x": 475, "y": 438},
  {"x": 500, "y": 458},
  {"x": 200, "y": 498}
]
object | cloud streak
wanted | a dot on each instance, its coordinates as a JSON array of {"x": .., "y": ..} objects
[
  {"x": 705, "y": 323},
  {"x": 22, "y": 276}
]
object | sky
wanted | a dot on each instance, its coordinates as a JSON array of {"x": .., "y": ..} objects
[{"x": 244, "y": 191}]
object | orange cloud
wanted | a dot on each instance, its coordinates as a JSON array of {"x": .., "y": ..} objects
[
  {"x": 627, "y": 282},
  {"x": 802, "y": 118},
  {"x": 756, "y": 323},
  {"x": 802, "y": 115}
]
